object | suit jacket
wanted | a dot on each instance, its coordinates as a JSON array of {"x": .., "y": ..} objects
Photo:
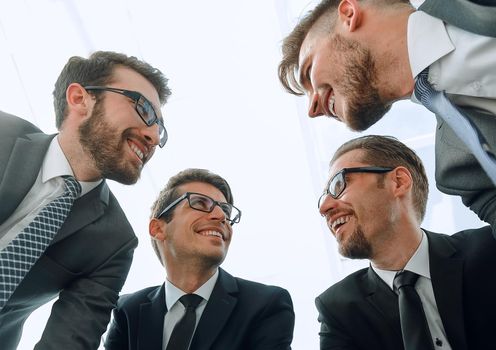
[
  {"x": 361, "y": 311},
  {"x": 457, "y": 170},
  {"x": 85, "y": 265},
  {"x": 240, "y": 314}
]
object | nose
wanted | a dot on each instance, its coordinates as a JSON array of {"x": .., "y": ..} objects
[
  {"x": 151, "y": 134},
  {"x": 327, "y": 203},
  {"x": 314, "y": 107},
  {"x": 217, "y": 214}
]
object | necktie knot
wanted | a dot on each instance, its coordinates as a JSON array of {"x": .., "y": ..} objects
[
  {"x": 423, "y": 89},
  {"x": 72, "y": 186},
  {"x": 405, "y": 278},
  {"x": 190, "y": 300}
]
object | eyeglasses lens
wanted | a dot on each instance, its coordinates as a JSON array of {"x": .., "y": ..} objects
[{"x": 206, "y": 204}]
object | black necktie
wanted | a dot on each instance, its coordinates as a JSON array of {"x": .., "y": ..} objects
[
  {"x": 462, "y": 126},
  {"x": 183, "y": 331},
  {"x": 414, "y": 328}
]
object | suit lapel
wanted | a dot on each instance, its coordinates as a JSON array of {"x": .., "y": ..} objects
[
  {"x": 151, "y": 321},
  {"x": 21, "y": 170},
  {"x": 383, "y": 299},
  {"x": 85, "y": 210},
  {"x": 219, "y": 307},
  {"x": 446, "y": 276}
]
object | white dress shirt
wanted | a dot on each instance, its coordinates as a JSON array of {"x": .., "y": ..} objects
[
  {"x": 175, "y": 310},
  {"x": 48, "y": 185},
  {"x": 461, "y": 63},
  {"x": 419, "y": 263}
]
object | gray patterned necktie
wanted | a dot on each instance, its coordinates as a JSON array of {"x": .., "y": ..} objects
[
  {"x": 463, "y": 127},
  {"x": 23, "y": 251}
]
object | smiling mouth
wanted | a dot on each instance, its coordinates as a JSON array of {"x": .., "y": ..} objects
[
  {"x": 211, "y": 233},
  {"x": 331, "y": 106},
  {"x": 336, "y": 224},
  {"x": 139, "y": 153}
]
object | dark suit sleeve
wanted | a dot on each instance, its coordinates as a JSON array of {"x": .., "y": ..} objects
[
  {"x": 117, "y": 335},
  {"x": 332, "y": 336},
  {"x": 274, "y": 328},
  {"x": 82, "y": 312}
]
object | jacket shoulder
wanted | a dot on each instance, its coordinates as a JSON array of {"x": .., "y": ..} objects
[
  {"x": 345, "y": 290},
  {"x": 134, "y": 300},
  {"x": 15, "y": 126}
]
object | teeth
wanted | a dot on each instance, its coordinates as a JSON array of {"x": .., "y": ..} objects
[
  {"x": 340, "y": 220},
  {"x": 212, "y": 233},
  {"x": 332, "y": 100},
  {"x": 137, "y": 151}
]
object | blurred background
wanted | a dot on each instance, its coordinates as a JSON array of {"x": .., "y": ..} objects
[{"x": 228, "y": 113}]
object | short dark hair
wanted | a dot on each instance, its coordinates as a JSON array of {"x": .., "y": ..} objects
[
  {"x": 387, "y": 151},
  {"x": 170, "y": 192},
  {"x": 288, "y": 67},
  {"x": 98, "y": 69}
]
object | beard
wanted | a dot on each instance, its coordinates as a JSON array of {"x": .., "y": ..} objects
[
  {"x": 105, "y": 146},
  {"x": 356, "y": 246},
  {"x": 358, "y": 84}
]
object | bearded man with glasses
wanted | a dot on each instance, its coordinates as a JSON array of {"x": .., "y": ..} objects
[
  {"x": 423, "y": 290},
  {"x": 107, "y": 110},
  {"x": 191, "y": 227}
]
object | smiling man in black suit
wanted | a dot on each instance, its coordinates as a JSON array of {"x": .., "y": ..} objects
[
  {"x": 374, "y": 203},
  {"x": 191, "y": 229}
]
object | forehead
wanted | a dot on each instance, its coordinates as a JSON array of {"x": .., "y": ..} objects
[
  {"x": 349, "y": 159},
  {"x": 203, "y": 188},
  {"x": 128, "y": 79}
]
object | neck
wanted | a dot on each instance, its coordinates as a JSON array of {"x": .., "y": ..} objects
[
  {"x": 189, "y": 278},
  {"x": 399, "y": 248},
  {"x": 81, "y": 163},
  {"x": 390, "y": 48}
]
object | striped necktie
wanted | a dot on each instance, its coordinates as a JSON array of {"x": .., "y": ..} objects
[
  {"x": 463, "y": 127},
  {"x": 23, "y": 251}
]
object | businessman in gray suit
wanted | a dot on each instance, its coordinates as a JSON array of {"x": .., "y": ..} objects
[
  {"x": 354, "y": 59},
  {"x": 109, "y": 121}
]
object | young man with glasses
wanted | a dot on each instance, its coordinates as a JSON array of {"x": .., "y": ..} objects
[
  {"x": 108, "y": 115},
  {"x": 374, "y": 203},
  {"x": 191, "y": 228}
]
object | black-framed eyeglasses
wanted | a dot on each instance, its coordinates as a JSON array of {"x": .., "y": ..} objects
[
  {"x": 143, "y": 107},
  {"x": 206, "y": 204},
  {"x": 337, "y": 183}
]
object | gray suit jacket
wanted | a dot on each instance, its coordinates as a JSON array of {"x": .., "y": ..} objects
[
  {"x": 457, "y": 170},
  {"x": 85, "y": 265}
]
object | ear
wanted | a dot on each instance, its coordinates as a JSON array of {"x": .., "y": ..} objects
[
  {"x": 78, "y": 99},
  {"x": 350, "y": 14},
  {"x": 157, "y": 229},
  {"x": 402, "y": 181}
]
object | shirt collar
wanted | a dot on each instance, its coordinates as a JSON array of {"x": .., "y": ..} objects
[
  {"x": 55, "y": 164},
  {"x": 172, "y": 293},
  {"x": 418, "y": 263},
  {"x": 427, "y": 40}
]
